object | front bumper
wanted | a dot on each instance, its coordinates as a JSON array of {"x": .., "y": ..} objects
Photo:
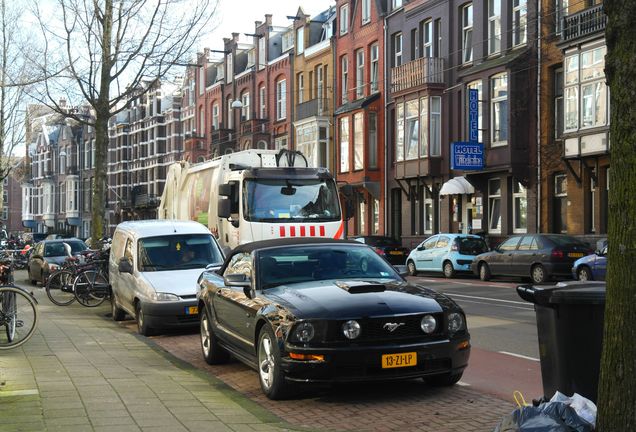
[
  {"x": 364, "y": 363},
  {"x": 173, "y": 314}
]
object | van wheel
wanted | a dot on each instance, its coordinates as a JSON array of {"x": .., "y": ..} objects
[
  {"x": 117, "y": 313},
  {"x": 448, "y": 269},
  {"x": 142, "y": 325}
]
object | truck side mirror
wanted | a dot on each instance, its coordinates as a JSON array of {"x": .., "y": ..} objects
[
  {"x": 225, "y": 190},
  {"x": 224, "y": 207}
]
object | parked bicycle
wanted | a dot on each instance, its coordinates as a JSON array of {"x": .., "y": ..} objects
[
  {"x": 86, "y": 282},
  {"x": 18, "y": 309}
]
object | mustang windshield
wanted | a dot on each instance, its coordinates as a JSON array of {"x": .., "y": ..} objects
[
  {"x": 177, "y": 252},
  {"x": 269, "y": 200},
  {"x": 288, "y": 265}
]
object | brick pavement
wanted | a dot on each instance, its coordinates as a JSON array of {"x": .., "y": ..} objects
[{"x": 82, "y": 371}]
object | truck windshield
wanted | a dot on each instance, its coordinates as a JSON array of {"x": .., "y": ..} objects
[
  {"x": 269, "y": 200},
  {"x": 177, "y": 252}
]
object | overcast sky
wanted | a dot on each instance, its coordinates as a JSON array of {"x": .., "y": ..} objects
[{"x": 239, "y": 15}]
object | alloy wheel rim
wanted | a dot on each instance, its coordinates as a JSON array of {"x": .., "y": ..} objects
[
  {"x": 140, "y": 318},
  {"x": 205, "y": 335},
  {"x": 266, "y": 362},
  {"x": 411, "y": 267},
  {"x": 583, "y": 275},
  {"x": 538, "y": 274},
  {"x": 482, "y": 271},
  {"x": 448, "y": 269}
]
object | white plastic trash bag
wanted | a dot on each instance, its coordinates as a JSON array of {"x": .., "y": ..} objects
[{"x": 585, "y": 408}]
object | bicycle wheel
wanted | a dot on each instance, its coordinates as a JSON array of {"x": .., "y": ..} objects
[
  {"x": 18, "y": 315},
  {"x": 91, "y": 288},
  {"x": 59, "y": 288}
]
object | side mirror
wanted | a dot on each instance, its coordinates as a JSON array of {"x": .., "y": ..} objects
[
  {"x": 225, "y": 190},
  {"x": 125, "y": 266},
  {"x": 238, "y": 280},
  {"x": 604, "y": 251},
  {"x": 224, "y": 207},
  {"x": 420, "y": 248}
]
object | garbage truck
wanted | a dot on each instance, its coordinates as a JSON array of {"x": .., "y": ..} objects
[{"x": 254, "y": 195}]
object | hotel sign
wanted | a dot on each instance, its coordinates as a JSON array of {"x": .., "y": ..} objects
[{"x": 467, "y": 156}]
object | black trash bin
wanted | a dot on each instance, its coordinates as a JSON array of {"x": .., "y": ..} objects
[{"x": 570, "y": 330}]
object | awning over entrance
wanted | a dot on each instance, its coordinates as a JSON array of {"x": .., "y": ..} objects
[{"x": 457, "y": 186}]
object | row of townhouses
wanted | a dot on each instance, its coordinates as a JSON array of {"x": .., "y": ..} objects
[{"x": 444, "y": 115}]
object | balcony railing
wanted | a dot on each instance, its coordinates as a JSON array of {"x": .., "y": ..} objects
[
  {"x": 584, "y": 23},
  {"x": 314, "y": 107},
  {"x": 144, "y": 200},
  {"x": 419, "y": 72},
  {"x": 253, "y": 126}
]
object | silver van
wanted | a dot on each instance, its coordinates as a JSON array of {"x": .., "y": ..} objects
[{"x": 153, "y": 269}]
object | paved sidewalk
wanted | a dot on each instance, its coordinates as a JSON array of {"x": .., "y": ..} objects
[{"x": 83, "y": 372}]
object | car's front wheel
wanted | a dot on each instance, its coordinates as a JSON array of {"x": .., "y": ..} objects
[
  {"x": 584, "y": 274},
  {"x": 411, "y": 267},
  {"x": 142, "y": 325},
  {"x": 212, "y": 351},
  {"x": 270, "y": 372},
  {"x": 484, "y": 272},
  {"x": 449, "y": 270},
  {"x": 444, "y": 380},
  {"x": 538, "y": 274}
]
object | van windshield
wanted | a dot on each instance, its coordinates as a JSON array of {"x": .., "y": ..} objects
[{"x": 177, "y": 252}]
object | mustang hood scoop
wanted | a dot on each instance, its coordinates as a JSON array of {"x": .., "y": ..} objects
[{"x": 359, "y": 287}]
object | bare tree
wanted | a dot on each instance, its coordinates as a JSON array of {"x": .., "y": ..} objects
[
  {"x": 110, "y": 50},
  {"x": 617, "y": 392}
]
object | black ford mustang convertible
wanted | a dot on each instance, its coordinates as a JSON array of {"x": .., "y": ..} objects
[{"x": 305, "y": 310}]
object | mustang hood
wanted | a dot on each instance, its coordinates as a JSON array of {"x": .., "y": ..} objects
[
  {"x": 179, "y": 282},
  {"x": 353, "y": 299}
]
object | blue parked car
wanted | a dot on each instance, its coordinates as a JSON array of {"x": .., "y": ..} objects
[
  {"x": 591, "y": 267},
  {"x": 446, "y": 253}
]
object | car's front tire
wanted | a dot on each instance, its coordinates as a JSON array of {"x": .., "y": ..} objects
[
  {"x": 270, "y": 373},
  {"x": 443, "y": 380},
  {"x": 410, "y": 265},
  {"x": 213, "y": 353},
  {"x": 448, "y": 269},
  {"x": 584, "y": 274},
  {"x": 484, "y": 272},
  {"x": 142, "y": 325}
]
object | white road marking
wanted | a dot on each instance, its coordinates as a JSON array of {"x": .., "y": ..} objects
[
  {"x": 519, "y": 356},
  {"x": 18, "y": 393},
  {"x": 463, "y": 384},
  {"x": 487, "y": 298},
  {"x": 486, "y": 285},
  {"x": 498, "y": 305}
]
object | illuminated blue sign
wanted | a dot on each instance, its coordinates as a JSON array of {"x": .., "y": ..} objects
[
  {"x": 467, "y": 156},
  {"x": 473, "y": 115}
]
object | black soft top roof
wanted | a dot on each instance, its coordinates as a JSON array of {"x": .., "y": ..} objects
[{"x": 250, "y": 247}]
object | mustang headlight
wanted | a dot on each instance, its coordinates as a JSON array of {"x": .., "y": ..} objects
[
  {"x": 456, "y": 322},
  {"x": 165, "y": 297},
  {"x": 304, "y": 332},
  {"x": 351, "y": 329},
  {"x": 428, "y": 324}
]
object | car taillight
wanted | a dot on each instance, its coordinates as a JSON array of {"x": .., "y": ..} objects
[
  {"x": 557, "y": 253},
  {"x": 454, "y": 246},
  {"x": 379, "y": 251}
]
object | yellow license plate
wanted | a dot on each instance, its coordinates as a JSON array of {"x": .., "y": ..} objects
[
  {"x": 192, "y": 310},
  {"x": 395, "y": 253},
  {"x": 399, "y": 360},
  {"x": 575, "y": 254}
]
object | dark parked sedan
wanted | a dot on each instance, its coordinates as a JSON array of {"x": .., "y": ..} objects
[
  {"x": 537, "y": 256},
  {"x": 303, "y": 310},
  {"x": 48, "y": 255},
  {"x": 387, "y": 247}
]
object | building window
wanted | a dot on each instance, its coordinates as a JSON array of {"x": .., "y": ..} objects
[
  {"x": 201, "y": 86},
  {"x": 396, "y": 4},
  {"x": 215, "y": 116},
  {"x": 230, "y": 67},
  {"x": 438, "y": 38},
  {"x": 344, "y": 19},
  {"x": 499, "y": 110},
  {"x": 345, "y": 78},
  {"x": 344, "y": 144},
  {"x": 280, "y": 143},
  {"x": 412, "y": 129},
  {"x": 558, "y": 103},
  {"x": 366, "y": 11},
  {"x": 300, "y": 79},
  {"x": 428, "y": 213},
  {"x": 306, "y": 142},
  {"x": 494, "y": 205},
  {"x": 424, "y": 127},
  {"x": 560, "y": 203},
  {"x": 287, "y": 41},
  {"x": 245, "y": 110},
  {"x": 414, "y": 43},
  {"x": 494, "y": 26},
  {"x": 376, "y": 216},
  {"x": 467, "y": 33},
  {"x": 427, "y": 35},
  {"x": 592, "y": 200},
  {"x": 520, "y": 208},
  {"x": 362, "y": 215},
  {"x": 320, "y": 84},
  {"x": 519, "y": 22},
  {"x": 281, "y": 99},
  {"x": 358, "y": 141},
  {"x": 359, "y": 73},
  {"x": 263, "y": 102},
  {"x": 477, "y": 85},
  {"x": 375, "y": 56},
  {"x": 300, "y": 40},
  {"x": 399, "y": 136},
  {"x": 262, "y": 60},
  {"x": 560, "y": 12},
  {"x": 201, "y": 122},
  {"x": 230, "y": 114},
  {"x": 397, "y": 49},
  {"x": 436, "y": 126},
  {"x": 372, "y": 120},
  {"x": 585, "y": 89}
]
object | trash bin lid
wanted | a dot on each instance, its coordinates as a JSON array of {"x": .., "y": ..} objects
[{"x": 591, "y": 292}]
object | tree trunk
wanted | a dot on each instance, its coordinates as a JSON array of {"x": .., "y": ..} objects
[{"x": 617, "y": 385}]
